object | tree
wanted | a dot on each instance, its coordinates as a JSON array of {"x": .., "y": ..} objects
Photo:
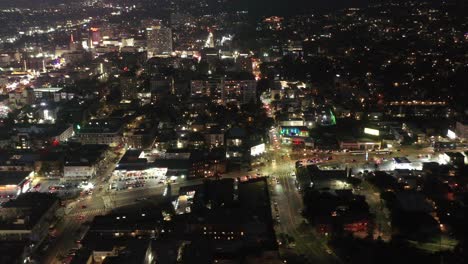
[
  {"x": 263, "y": 85},
  {"x": 115, "y": 95}
]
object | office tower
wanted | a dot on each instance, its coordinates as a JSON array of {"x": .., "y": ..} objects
[
  {"x": 159, "y": 40},
  {"x": 94, "y": 37}
]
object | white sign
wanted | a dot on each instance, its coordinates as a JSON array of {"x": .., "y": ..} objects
[
  {"x": 160, "y": 172},
  {"x": 451, "y": 134},
  {"x": 257, "y": 150},
  {"x": 371, "y": 131}
]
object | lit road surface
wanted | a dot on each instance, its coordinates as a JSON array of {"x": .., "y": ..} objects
[
  {"x": 289, "y": 200},
  {"x": 100, "y": 203},
  {"x": 359, "y": 162},
  {"x": 313, "y": 247},
  {"x": 79, "y": 211}
]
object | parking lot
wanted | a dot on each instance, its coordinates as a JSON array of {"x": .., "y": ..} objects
[
  {"x": 125, "y": 180},
  {"x": 62, "y": 189}
]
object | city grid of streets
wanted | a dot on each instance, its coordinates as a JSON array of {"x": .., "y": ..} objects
[{"x": 286, "y": 201}]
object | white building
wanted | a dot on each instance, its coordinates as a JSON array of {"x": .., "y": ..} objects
[{"x": 79, "y": 171}]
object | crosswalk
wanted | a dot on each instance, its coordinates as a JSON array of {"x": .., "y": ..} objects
[{"x": 88, "y": 212}]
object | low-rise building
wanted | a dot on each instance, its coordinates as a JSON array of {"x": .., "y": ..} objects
[
  {"x": 359, "y": 143},
  {"x": 455, "y": 158},
  {"x": 84, "y": 161},
  {"x": 20, "y": 97},
  {"x": 101, "y": 132},
  {"x": 39, "y": 136},
  {"x": 17, "y": 161},
  {"x": 28, "y": 217},
  {"x": 461, "y": 130},
  {"x": 142, "y": 136},
  {"x": 51, "y": 94},
  {"x": 214, "y": 137},
  {"x": 13, "y": 183}
]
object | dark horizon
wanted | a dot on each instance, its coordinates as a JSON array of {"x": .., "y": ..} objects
[
  {"x": 257, "y": 7},
  {"x": 233, "y": 131}
]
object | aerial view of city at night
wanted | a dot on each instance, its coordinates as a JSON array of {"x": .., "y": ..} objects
[{"x": 233, "y": 131}]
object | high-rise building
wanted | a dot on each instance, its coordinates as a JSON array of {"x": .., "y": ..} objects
[
  {"x": 128, "y": 86},
  {"x": 240, "y": 91},
  {"x": 159, "y": 40},
  {"x": 94, "y": 37},
  {"x": 225, "y": 90}
]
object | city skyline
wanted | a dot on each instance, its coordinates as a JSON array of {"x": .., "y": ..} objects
[{"x": 219, "y": 131}]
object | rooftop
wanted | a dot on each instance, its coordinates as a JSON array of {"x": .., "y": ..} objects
[
  {"x": 101, "y": 126},
  {"x": 11, "y": 251},
  {"x": 401, "y": 160},
  {"x": 48, "y": 89},
  {"x": 410, "y": 201},
  {"x": 29, "y": 207},
  {"x": 126, "y": 222},
  {"x": 455, "y": 155},
  {"x": 13, "y": 177}
]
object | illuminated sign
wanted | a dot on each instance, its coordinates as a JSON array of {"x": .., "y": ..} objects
[
  {"x": 451, "y": 134},
  {"x": 160, "y": 172},
  {"x": 294, "y": 132},
  {"x": 371, "y": 131},
  {"x": 257, "y": 150}
]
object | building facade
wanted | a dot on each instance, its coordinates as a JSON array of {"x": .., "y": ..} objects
[{"x": 159, "y": 40}]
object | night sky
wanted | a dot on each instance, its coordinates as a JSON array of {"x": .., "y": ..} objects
[{"x": 255, "y": 6}]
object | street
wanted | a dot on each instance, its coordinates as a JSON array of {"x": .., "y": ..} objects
[
  {"x": 285, "y": 194},
  {"x": 286, "y": 199}
]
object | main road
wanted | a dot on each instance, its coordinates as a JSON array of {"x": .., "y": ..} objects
[{"x": 283, "y": 192}]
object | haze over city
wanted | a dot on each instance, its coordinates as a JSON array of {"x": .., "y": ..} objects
[{"x": 233, "y": 131}]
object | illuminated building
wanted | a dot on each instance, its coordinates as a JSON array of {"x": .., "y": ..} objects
[
  {"x": 359, "y": 144},
  {"x": 294, "y": 131},
  {"x": 222, "y": 91},
  {"x": 159, "y": 40},
  {"x": 94, "y": 37},
  {"x": 296, "y": 135},
  {"x": 128, "y": 86},
  {"x": 83, "y": 162},
  {"x": 104, "y": 131},
  {"x": 210, "y": 41},
  {"x": 241, "y": 91}
]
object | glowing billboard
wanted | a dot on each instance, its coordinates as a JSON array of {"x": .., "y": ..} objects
[
  {"x": 451, "y": 134},
  {"x": 257, "y": 150},
  {"x": 371, "y": 131}
]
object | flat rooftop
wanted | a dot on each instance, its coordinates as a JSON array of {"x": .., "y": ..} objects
[
  {"x": 455, "y": 155},
  {"x": 28, "y": 206},
  {"x": 12, "y": 177},
  {"x": 401, "y": 160}
]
